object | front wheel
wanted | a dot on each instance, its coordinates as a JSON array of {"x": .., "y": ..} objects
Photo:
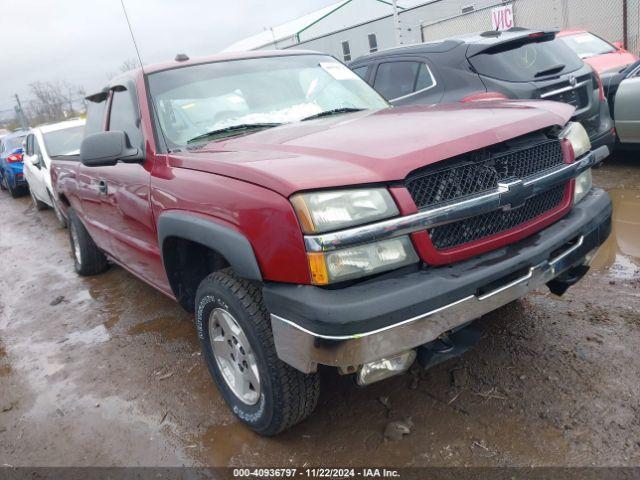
[
  {"x": 235, "y": 332},
  {"x": 38, "y": 204}
]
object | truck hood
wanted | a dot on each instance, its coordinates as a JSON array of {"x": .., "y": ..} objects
[{"x": 368, "y": 147}]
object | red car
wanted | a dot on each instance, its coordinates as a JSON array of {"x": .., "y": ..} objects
[
  {"x": 601, "y": 55},
  {"x": 304, "y": 222}
]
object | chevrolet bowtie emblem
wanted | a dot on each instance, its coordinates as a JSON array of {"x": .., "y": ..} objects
[{"x": 514, "y": 194}]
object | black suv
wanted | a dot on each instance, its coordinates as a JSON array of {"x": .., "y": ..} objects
[{"x": 518, "y": 63}]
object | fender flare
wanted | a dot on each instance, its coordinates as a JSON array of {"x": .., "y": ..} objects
[{"x": 229, "y": 243}]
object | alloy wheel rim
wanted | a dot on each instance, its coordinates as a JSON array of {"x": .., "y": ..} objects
[
  {"x": 76, "y": 244},
  {"x": 234, "y": 357}
]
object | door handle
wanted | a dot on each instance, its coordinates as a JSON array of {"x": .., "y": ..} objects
[{"x": 102, "y": 187}]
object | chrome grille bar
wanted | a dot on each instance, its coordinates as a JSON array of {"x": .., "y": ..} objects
[{"x": 505, "y": 196}]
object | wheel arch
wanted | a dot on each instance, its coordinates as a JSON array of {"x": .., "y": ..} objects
[{"x": 194, "y": 246}]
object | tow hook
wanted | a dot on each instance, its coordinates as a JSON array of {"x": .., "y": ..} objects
[
  {"x": 558, "y": 286},
  {"x": 448, "y": 345}
]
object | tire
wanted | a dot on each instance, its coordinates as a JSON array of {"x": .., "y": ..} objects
[
  {"x": 59, "y": 215},
  {"x": 2, "y": 182},
  {"x": 283, "y": 395},
  {"x": 39, "y": 205},
  {"x": 88, "y": 259},
  {"x": 13, "y": 191}
]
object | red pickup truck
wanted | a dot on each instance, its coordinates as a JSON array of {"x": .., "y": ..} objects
[{"x": 307, "y": 223}]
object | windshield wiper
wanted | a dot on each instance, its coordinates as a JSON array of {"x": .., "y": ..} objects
[
  {"x": 555, "y": 69},
  {"x": 335, "y": 111},
  {"x": 234, "y": 128}
]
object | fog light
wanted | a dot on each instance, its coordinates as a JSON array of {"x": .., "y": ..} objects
[
  {"x": 584, "y": 182},
  {"x": 385, "y": 367}
]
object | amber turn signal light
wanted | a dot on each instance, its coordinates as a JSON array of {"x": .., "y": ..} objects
[{"x": 318, "y": 269}]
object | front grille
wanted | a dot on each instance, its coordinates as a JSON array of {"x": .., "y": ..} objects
[
  {"x": 481, "y": 172},
  {"x": 578, "y": 97},
  {"x": 492, "y": 223}
]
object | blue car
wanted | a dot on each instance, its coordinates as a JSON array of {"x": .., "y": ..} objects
[{"x": 11, "y": 176}]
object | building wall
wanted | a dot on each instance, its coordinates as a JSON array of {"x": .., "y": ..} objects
[
  {"x": 346, "y": 16},
  {"x": 411, "y": 21},
  {"x": 443, "y": 18},
  {"x": 358, "y": 38}
]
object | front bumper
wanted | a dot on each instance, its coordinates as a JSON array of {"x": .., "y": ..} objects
[
  {"x": 396, "y": 312},
  {"x": 606, "y": 138}
]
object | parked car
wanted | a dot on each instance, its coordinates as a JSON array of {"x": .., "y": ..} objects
[
  {"x": 44, "y": 143},
  {"x": 625, "y": 103},
  {"x": 519, "y": 63},
  {"x": 306, "y": 223},
  {"x": 11, "y": 174},
  {"x": 603, "y": 56}
]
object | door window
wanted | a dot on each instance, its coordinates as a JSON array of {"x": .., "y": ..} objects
[
  {"x": 362, "y": 72},
  {"x": 35, "y": 149},
  {"x": 124, "y": 116},
  {"x": 398, "y": 79},
  {"x": 28, "y": 149}
]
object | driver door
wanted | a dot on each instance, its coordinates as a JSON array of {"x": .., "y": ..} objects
[{"x": 627, "y": 108}]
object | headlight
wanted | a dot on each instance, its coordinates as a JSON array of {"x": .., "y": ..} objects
[
  {"x": 578, "y": 137},
  {"x": 583, "y": 185},
  {"x": 361, "y": 261},
  {"x": 321, "y": 212}
]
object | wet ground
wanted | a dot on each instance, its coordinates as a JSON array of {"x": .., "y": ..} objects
[{"x": 105, "y": 371}]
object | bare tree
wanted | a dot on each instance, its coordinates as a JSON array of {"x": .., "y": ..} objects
[
  {"x": 54, "y": 101},
  {"x": 126, "y": 66},
  {"x": 129, "y": 64}
]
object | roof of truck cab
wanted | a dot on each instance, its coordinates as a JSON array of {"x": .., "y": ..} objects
[
  {"x": 131, "y": 75},
  {"x": 225, "y": 57}
]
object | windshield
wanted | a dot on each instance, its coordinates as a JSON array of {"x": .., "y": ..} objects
[
  {"x": 12, "y": 143},
  {"x": 588, "y": 45},
  {"x": 193, "y": 101},
  {"x": 524, "y": 61},
  {"x": 64, "y": 142}
]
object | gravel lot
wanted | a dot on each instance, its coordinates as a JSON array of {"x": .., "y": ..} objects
[{"x": 106, "y": 371}]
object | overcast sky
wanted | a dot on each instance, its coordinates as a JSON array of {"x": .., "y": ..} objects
[{"x": 82, "y": 41}]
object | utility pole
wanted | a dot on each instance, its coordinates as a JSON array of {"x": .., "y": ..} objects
[
  {"x": 20, "y": 113},
  {"x": 396, "y": 23},
  {"x": 625, "y": 24}
]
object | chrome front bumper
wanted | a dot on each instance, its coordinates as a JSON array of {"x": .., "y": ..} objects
[{"x": 305, "y": 349}]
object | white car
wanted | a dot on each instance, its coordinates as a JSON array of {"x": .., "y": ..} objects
[{"x": 44, "y": 143}]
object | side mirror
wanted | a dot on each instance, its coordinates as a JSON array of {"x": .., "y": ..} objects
[
  {"x": 35, "y": 160},
  {"x": 618, "y": 45},
  {"x": 105, "y": 149}
]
